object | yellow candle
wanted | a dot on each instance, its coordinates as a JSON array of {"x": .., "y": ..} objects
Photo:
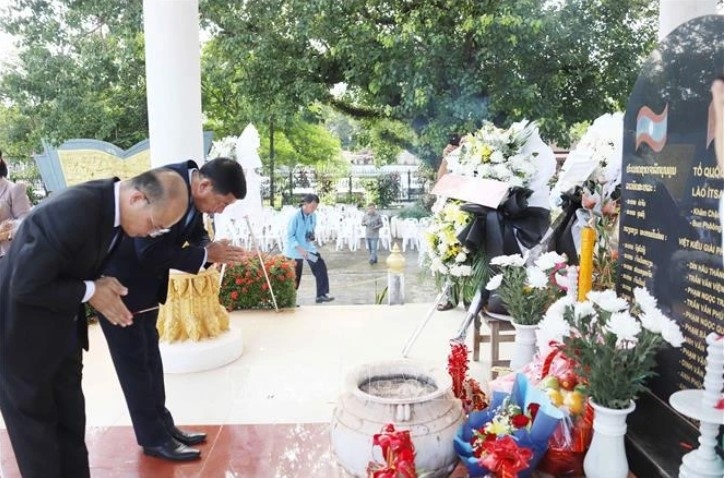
[{"x": 586, "y": 262}]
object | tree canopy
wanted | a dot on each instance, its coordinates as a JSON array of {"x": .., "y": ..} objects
[
  {"x": 443, "y": 65},
  {"x": 413, "y": 72}
]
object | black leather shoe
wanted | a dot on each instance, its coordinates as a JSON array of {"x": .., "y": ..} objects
[
  {"x": 188, "y": 438},
  {"x": 173, "y": 450}
]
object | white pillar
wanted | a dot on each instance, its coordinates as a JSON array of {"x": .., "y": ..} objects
[
  {"x": 173, "y": 80},
  {"x": 674, "y": 13}
]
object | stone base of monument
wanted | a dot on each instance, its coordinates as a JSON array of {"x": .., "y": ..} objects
[
  {"x": 657, "y": 457},
  {"x": 207, "y": 354}
]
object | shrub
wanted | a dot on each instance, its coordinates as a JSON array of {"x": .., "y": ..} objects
[
  {"x": 416, "y": 211},
  {"x": 244, "y": 285},
  {"x": 383, "y": 190}
]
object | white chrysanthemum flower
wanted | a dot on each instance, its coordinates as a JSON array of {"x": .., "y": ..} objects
[
  {"x": 516, "y": 182},
  {"x": 672, "y": 334},
  {"x": 515, "y": 260},
  {"x": 645, "y": 301},
  {"x": 502, "y": 172},
  {"x": 495, "y": 282},
  {"x": 549, "y": 260},
  {"x": 653, "y": 320},
  {"x": 584, "y": 309},
  {"x": 551, "y": 327},
  {"x": 528, "y": 169},
  {"x": 461, "y": 257},
  {"x": 608, "y": 300},
  {"x": 559, "y": 307},
  {"x": 497, "y": 157},
  {"x": 624, "y": 326},
  {"x": 442, "y": 247},
  {"x": 455, "y": 271},
  {"x": 536, "y": 278},
  {"x": 465, "y": 271}
]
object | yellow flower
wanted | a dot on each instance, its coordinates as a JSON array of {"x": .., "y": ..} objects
[
  {"x": 486, "y": 152},
  {"x": 497, "y": 427},
  {"x": 449, "y": 236}
]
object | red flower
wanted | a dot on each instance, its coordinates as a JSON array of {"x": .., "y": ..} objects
[
  {"x": 520, "y": 421},
  {"x": 234, "y": 295},
  {"x": 533, "y": 409},
  {"x": 239, "y": 281}
]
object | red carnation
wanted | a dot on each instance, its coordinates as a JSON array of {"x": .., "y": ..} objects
[
  {"x": 234, "y": 295},
  {"x": 520, "y": 421}
]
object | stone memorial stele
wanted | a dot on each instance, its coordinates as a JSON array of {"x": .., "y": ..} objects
[{"x": 670, "y": 233}]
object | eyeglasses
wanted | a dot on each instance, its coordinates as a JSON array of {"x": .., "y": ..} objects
[{"x": 157, "y": 230}]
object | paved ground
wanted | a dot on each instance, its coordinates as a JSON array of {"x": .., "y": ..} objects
[{"x": 354, "y": 281}]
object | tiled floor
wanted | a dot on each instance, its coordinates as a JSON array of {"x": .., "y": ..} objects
[{"x": 267, "y": 413}]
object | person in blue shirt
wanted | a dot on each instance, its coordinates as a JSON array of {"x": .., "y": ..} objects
[{"x": 300, "y": 246}]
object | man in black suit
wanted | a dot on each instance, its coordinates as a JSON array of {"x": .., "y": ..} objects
[
  {"x": 52, "y": 268},
  {"x": 143, "y": 265}
]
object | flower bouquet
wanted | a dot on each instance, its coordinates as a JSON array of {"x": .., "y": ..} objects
[
  {"x": 516, "y": 156},
  {"x": 496, "y": 153},
  {"x": 612, "y": 341},
  {"x": 447, "y": 259},
  {"x": 527, "y": 291},
  {"x": 594, "y": 197},
  {"x": 510, "y": 437}
]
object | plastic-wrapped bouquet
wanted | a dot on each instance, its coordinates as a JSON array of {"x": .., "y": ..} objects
[{"x": 510, "y": 437}]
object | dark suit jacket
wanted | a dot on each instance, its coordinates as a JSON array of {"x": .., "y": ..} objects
[
  {"x": 61, "y": 243},
  {"x": 142, "y": 264}
]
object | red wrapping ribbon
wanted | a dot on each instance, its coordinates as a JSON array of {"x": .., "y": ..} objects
[
  {"x": 505, "y": 457},
  {"x": 399, "y": 453}
]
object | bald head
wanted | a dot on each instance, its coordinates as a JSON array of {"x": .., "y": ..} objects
[{"x": 152, "y": 201}]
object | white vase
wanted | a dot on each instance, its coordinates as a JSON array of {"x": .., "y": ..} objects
[
  {"x": 524, "y": 345},
  {"x": 606, "y": 457}
]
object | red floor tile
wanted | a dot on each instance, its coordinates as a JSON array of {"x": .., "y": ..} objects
[{"x": 231, "y": 451}]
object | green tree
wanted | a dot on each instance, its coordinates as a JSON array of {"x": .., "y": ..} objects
[
  {"x": 80, "y": 72},
  {"x": 441, "y": 66}
]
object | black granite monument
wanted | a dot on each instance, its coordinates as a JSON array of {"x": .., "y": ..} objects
[{"x": 670, "y": 233}]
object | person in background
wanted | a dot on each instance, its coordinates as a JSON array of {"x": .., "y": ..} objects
[
  {"x": 53, "y": 268},
  {"x": 14, "y": 206},
  {"x": 300, "y": 246},
  {"x": 454, "y": 142},
  {"x": 372, "y": 222},
  {"x": 143, "y": 265}
]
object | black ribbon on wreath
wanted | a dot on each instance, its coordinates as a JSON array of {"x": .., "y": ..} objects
[
  {"x": 499, "y": 231},
  {"x": 563, "y": 240}
]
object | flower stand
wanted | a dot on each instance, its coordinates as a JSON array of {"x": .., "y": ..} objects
[
  {"x": 702, "y": 405},
  {"x": 606, "y": 457}
]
